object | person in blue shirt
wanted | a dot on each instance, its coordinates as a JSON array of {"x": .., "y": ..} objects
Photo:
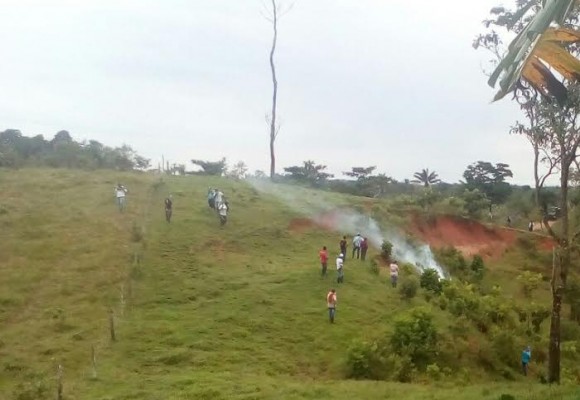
[{"x": 526, "y": 356}]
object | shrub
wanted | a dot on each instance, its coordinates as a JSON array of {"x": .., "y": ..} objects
[
  {"x": 403, "y": 369},
  {"x": 430, "y": 281},
  {"x": 434, "y": 372},
  {"x": 530, "y": 282},
  {"x": 365, "y": 360},
  {"x": 36, "y": 390},
  {"x": 538, "y": 315},
  {"x": 386, "y": 250},
  {"x": 477, "y": 267},
  {"x": 505, "y": 347},
  {"x": 415, "y": 336},
  {"x": 570, "y": 330},
  {"x": 409, "y": 288},
  {"x": 453, "y": 261}
]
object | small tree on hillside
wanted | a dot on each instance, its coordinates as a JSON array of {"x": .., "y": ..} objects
[
  {"x": 238, "y": 171},
  {"x": 426, "y": 177},
  {"x": 489, "y": 179},
  {"x": 309, "y": 172},
  {"x": 215, "y": 168},
  {"x": 360, "y": 173}
]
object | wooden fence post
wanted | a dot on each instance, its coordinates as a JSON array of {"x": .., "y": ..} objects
[
  {"x": 94, "y": 360},
  {"x": 59, "y": 377},
  {"x": 112, "y": 325}
]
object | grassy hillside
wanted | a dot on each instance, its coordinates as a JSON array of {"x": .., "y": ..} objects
[{"x": 201, "y": 311}]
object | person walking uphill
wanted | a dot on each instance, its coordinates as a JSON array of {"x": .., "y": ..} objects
[
  {"x": 323, "y": 254},
  {"x": 168, "y": 208},
  {"x": 356, "y": 242},
  {"x": 364, "y": 246},
  {"x": 526, "y": 356},
  {"x": 120, "y": 193},
  {"x": 343, "y": 245},
  {"x": 394, "y": 270},
  {"x": 340, "y": 269},
  {"x": 331, "y": 303}
]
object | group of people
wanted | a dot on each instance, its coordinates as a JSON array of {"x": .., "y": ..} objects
[
  {"x": 217, "y": 201},
  {"x": 360, "y": 247}
]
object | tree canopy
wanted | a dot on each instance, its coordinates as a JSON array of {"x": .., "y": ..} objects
[
  {"x": 489, "y": 179},
  {"x": 17, "y": 150},
  {"x": 216, "y": 168},
  {"x": 309, "y": 172}
]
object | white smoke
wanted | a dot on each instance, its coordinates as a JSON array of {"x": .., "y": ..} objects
[{"x": 348, "y": 221}]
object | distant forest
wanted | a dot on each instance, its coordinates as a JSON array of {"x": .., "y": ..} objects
[{"x": 62, "y": 151}]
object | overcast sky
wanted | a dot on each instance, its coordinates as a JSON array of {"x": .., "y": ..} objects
[{"x": 391, "y": 83}]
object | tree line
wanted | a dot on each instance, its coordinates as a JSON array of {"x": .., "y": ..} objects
[{"x": 62, "y": 151}]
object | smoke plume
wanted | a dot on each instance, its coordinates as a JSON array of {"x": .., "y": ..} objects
[{"x": 350, "y": 222}]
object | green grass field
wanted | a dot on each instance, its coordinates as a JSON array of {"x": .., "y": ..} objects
[{"x": 209, "y": 312}]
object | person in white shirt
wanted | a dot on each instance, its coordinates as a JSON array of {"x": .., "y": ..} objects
[
  {"x": 356, "y": 242},
  {"x": 120, "y": 193},
  {"x": 340, "y": 269},
  {"x": 394, "y": 269},
  {"x": 223, "y": 212}
]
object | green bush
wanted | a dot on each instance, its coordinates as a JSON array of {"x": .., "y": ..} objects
[
  {"x": 386, "y": 250},
  {"x": 434, "y": 372},
  {"x": 408, "y": 288},
  {"x": 569, "y": 330},
  {"x": 477, "y": 267},
  {"x": 402, "y": 367},
  {"x": 415, "y": 336},
  {"x": 430, "y": 281},
  {"x": 505, "y": 347},
  {"x": 366, "y": 360},
  {"x": 453, "y": 261},
  {"x": 530, "y": 282}
]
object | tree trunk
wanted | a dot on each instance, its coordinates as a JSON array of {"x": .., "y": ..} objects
[
  {"x": 559, "y": 279},
  {"x": 273, "y": 130}
]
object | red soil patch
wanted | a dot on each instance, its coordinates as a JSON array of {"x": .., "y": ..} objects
[
  {"x": 469, "y": 237},
  {"x": 299, "y": 225}
]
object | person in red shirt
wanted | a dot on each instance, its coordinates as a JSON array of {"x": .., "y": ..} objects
[
  {"x": 323, "y": 254},
  {"x": 364, "y": 246}
]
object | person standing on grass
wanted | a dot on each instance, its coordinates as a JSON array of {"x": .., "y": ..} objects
[
  {"x": 340, "y": 269},
  {"x": 526, "y": 357},
  {"x": 343, "y": 245},
  {"x": 356, "y": 242},
  {"x": 323, "y": 254},
  {"x": 331, "y": 303},
  {"x": 168, "y": 208},
  {"x": 364, "y": 246},
  {"x": 394, "y": 270},
  {"x": 211, "y": 198},
  {"x": 120, "y": 193}
]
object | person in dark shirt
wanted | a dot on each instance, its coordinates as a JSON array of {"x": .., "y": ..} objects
[
  {"x": 343, "y": 246},
  {"x": 168, "y": 208}
]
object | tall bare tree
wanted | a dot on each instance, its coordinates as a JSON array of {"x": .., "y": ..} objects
[{"x": 273, "y": 14}]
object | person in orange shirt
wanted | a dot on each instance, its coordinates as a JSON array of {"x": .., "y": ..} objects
[
  {"x": 323, "y": 254},
  {"x": 331, "y": 303}
]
